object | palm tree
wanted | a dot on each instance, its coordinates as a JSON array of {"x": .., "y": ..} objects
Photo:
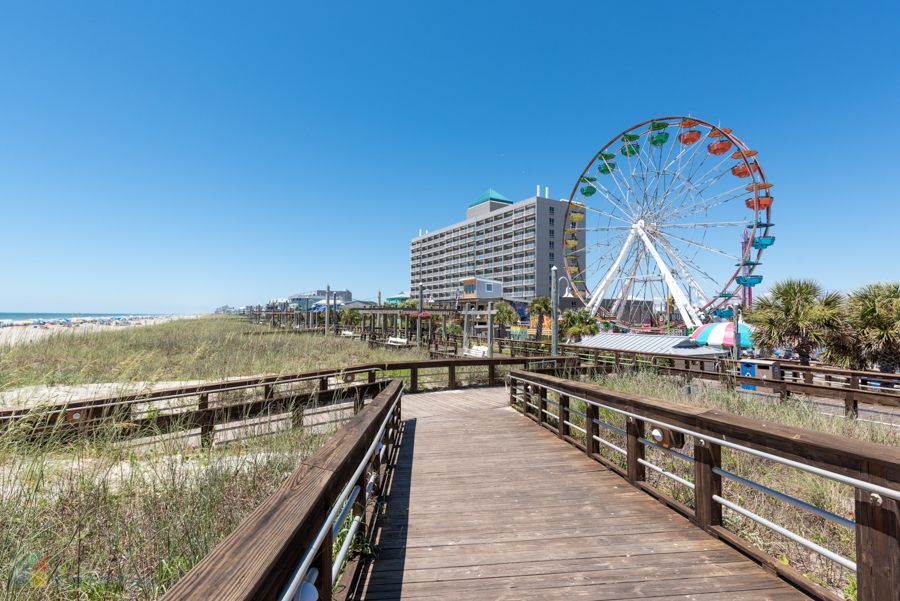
[
  {"x": 798, "y": 314},
  {"x": 505, "y": 316},
  {"x": 578, "y": 323},
  {"x": 409, "y": 303},
  {"x": 539, "y": 306},
  {"x": 350, "y": 317},
  {"x": 874, "y": 315}
]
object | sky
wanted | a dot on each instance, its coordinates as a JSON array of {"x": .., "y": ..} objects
[{"x": 172, "y": 157}]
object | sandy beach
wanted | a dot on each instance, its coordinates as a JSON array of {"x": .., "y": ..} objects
[{"x": 13, "y": 335}]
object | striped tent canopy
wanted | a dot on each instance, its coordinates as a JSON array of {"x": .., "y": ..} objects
[{"x": 722, "y": 334}]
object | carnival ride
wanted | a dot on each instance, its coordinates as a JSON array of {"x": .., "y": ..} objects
[{"x": 651, "y": 217}]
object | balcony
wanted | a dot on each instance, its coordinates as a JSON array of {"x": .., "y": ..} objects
[
  {"x": 529, "y": 270},
  {"x": 529, "y": 234},
  {"x": 529, "y": 210},
  {"x": 529, "y": 246}
]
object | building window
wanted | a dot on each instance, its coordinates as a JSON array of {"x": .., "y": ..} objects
[
  {"x": 551, "y": 256},
  {"x": 489, "y": 287},
  {"x": 551, "y": 210},
  {"x": 574, "y": 225},
  {"x": 470, "y": 288},
  {"x": 551, "y": 221},
  {"x": 551, "y": 233},
  {"x": 573, "y": 303},
  {"x": 551, "y": 244}
]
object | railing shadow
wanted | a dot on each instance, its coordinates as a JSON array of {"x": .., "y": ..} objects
[{"x": 382, "y": 571}]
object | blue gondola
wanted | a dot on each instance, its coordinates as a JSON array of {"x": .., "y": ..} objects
[
  {"x": 749, "y": 281},
  {"x": 759, "y": 225},
  {"x": 724, "y": 313},
  {"x": 763, "y": 242}
]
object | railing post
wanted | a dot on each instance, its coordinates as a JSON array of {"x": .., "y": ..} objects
[
  {"x": 563, "y": 416},
  {"x": 877, "y": 540},
  {"x": 207, "y": 428},
  {"x": 372, "y": 376},
  {"x": 617, "y": 360},
  {"x": 707, "y": 483},
  {"x": 596, "y": 358},
  {"x": 542, "y": 404},
  {"x": 513, "y": 383},
  {"x": 323, "y": 384},
  {"x": 591, "y": 446},
  {"x": 492, "y": 374},
  {"x": 413, "y": 380},
  {"x": 451, "y": 376},
  {"x": 851, "y": 405},
  {"x": 323, "y": 562},
  {"x": 635, "y": 430}
]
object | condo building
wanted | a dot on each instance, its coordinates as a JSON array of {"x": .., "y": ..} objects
[{"x": 513, "y": 243}]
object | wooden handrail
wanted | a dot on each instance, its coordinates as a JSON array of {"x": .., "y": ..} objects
[
  {"x": 877, "y": 518},
  {"x": 255, "y": 561}
]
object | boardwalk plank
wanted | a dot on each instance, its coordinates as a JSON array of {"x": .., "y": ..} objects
[{"x": 482, "y": 503}]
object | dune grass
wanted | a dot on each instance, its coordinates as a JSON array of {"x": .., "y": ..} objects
[
  {"x": 100, "y": 518},
  {"x": 209, "y": 348},
  {"x": 823, "y": 493}
]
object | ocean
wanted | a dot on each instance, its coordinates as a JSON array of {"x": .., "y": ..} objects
[{"x": 51, "y": 316}]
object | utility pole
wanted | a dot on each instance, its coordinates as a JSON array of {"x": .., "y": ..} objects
[
  {"x": 327, "y": 302},
  {"x": 490, "y": 332},
  {"x": 736, "y": 349},
  {"x": 418, "y": 318},
  {"x": 554, "y": 310}
]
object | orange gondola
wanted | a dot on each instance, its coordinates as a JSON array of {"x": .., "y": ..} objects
[
  {"x": 689, "y": 137},
  {"x": 750, "y": 153},
  {"x": 719, "y": 147},
  {"x": 686, "y": 123},
  {"x": 718, "y": 133},
  {"x": 741, "y": 169},
  {"x": 753, "y": 187},
  {"x": 764, "y": 202}
]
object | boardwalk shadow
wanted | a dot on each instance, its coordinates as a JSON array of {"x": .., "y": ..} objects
[{"x": 380, "y": 576}]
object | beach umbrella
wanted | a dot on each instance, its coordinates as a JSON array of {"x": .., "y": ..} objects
[{"x": 722, "y": 334}]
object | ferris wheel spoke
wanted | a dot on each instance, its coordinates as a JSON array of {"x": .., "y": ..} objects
[
  {"x": 607, "y": 214},
  {"x": 607, "y": 229},
  {"x": 706, "y": 204},
  {"x": 702, "y": 225},
  {"x": 611, "y": 198},
  {"x": 688, "y": 186},
  {"x": 709, "y": 248},
  {"x": 684, "y": 269}
]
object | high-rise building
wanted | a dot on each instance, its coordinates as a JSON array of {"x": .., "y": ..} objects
[{"x": 515, "y": 243}]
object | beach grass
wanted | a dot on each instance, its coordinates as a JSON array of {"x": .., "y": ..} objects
[
  {"x": 99, "y": 517},
  {"x": 209, "y": 348}
]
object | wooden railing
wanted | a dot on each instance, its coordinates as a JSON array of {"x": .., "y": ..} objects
[
  {"x": 871, "y": 470},
  {"x": 852, "y": 387},
  {"x": 284, "y": 398},
  {"x": 289, "y": 538}
]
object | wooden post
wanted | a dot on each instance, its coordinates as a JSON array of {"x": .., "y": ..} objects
[
  {"x": 596, "y": 358},
  {"x": 877, "y": 540},
  {"x": 323, "y": 384},
  {"x": 451, "y": 376},
  {"x": 592, "y": 446},
  {"x": 207, "y": 423},
  {"x": 563, "y": 416},
  {"x": 707, "y": 483},
  {"x": 492, "y": 374},
  {"x": 323, "y": 562},
  {"x": 413, "y": 380},
  {"x": 617, "y": 360},
  {"x": 635, "y": 430},
  {"x": 542, "y": 404},
  {"x": 513, "y": 383},
  {"x": 851, "y": 405},
  {"x": 372, "y": 376}
]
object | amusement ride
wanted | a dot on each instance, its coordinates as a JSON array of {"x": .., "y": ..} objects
[{"x": 674, "y": 212}]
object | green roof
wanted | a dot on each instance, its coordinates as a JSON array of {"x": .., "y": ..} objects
[{"x": 490, "y": 195}]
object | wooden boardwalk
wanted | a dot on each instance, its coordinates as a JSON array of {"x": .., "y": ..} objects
[{"x": 485, "y": 504}]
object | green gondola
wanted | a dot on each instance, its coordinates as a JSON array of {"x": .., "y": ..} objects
[
  {"x": 658, "y": 125},
  {"x": 604, "y": 156},
  {"x": 589, "y": 190},
  {"x": 630, "y": 137},
  {"x": 587, "y": 180},
  {"x": 607, "y": 168},
  {"x": 659, "y": 139},
  {"x": 629, "y": 150}
]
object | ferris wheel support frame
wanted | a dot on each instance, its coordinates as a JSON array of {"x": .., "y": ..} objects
[
  {"x": 691, "y": 320},
  {"x": 597, "y": 297},
  {"x": 692, "y": 283},
  {"x": 619, "y": 306}
]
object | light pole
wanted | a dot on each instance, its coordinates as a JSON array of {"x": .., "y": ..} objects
[{"x": 554, "y": 308}]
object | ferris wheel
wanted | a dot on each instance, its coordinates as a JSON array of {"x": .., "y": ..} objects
[{"x": 674, "y": 212}]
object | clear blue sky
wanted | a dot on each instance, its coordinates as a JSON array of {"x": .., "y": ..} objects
[{"x": 176, "y": 156}]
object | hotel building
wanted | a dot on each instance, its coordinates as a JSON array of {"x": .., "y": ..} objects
[{"x": 514, "y": 243}]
